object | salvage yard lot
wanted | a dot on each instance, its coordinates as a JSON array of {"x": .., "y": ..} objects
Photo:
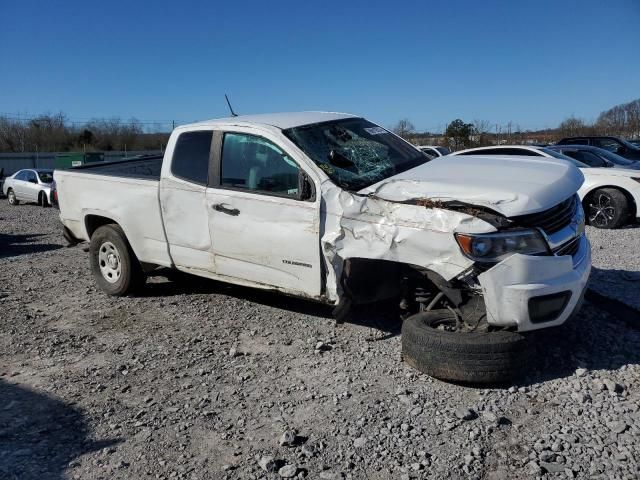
[{"x": 194, "y": 379}]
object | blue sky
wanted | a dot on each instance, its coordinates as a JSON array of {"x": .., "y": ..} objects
[{"x": 530, "y": 62}]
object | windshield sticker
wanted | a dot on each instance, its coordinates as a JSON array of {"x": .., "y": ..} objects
[{"x": 375, "y": 130}]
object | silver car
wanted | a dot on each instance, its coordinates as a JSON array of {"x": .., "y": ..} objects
[{"x": 29, "y": 185}]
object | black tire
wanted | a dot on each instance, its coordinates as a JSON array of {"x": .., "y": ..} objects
[
  {"x": 13, "y": 200},
  {"x": 114, "y": 266},
  {"x": 466, "y": 357},
  {"x": 607, "y": 208},
  {"x": 42, "y": 200}
]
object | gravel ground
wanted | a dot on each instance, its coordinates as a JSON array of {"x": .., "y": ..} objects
[
  {"x": 616, "y": 263},
  {"x": 198, "y": 380}
]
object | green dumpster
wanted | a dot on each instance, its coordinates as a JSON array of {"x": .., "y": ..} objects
[{"x": 75, "y": 159}]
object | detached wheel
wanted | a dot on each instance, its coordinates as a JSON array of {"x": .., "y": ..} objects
[
  {"x": 431, "y": 344},
  {"x": 115, "y": 267},
  {"x": 607, "y": 208},
  {"x": 13, "y": 200}
]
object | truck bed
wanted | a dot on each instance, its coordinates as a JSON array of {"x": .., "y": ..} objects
[
  {"x": 124, "y": 192},
  {"x": 147, "y": 167}
]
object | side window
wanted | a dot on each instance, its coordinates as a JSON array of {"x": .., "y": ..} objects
[
  {"x": 489, "y": 151},
  {"x": 253, "y": 163},
  {"x": 31, "y": 176},
  {"x": 586, "y": 157},
  {"x": 607, "y": 144},
  {"x": 575, "y": 141},
  {"x": 21, "y": 175},
  {"x": 520, "y": 151},
  {"x": 191, "y": 156}
]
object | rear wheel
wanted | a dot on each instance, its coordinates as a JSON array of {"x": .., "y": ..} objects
[
  {"x": 115, "y": 267},
  {"x": 13, "y": 200},
  {"x": 42, "y": 199},
  {"x": 607, "y": 208},
  {"x": 434, "y": 343}
]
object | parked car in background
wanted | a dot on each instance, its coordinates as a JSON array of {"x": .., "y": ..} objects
[
  {"x": 1, "y": 180},
  {"x": 610, "y": 196},
  {"x": 614, "y": 144},
  {"x": 29, "y": 185},
  {"x": 595, "y": 157},
  {"x": 434, "y": 151}
]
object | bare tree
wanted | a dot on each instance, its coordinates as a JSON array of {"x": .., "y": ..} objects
[
  {"x": 572, "y": 126},
  {"x": 404, "y": 128},
  {"x": 482, "y": 129}
]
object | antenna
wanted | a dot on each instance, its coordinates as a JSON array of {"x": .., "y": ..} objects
[{"x": 233, "y": 114}]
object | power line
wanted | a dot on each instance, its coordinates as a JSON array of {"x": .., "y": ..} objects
[{"x": 83, "y": 121}]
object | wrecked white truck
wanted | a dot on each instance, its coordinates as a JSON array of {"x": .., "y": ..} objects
[{"x": 335, "y": 208}]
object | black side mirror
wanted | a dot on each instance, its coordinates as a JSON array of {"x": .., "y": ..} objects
[{"x": 305, "y": 187}]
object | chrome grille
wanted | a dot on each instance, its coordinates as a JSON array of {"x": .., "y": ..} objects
[{"x": 551, "y": 220}]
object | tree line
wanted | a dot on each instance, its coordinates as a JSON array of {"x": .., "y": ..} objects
[
  {"x": 622, "y": 120},
  {"x": 55, "y": 133}
]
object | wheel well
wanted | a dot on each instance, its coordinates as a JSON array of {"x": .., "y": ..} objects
[
  {"x": 93, "y": 222},
  {"x": 632, "y": 204},
  {"x": 366, "y": 280}
]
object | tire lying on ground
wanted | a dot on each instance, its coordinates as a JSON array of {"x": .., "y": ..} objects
[{"x": 462, "y": 356}]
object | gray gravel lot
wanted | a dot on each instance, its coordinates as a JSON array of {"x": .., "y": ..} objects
[
  {"x": 616, "y": 263},
  {"x": 198, "y": 380}
]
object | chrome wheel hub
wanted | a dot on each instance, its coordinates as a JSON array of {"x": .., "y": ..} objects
[
  {"x": 601, "y": 211},
  {"x": 109, "y": 261}
]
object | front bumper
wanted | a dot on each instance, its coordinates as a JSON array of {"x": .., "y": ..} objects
[{"x": 512, "y": 287}]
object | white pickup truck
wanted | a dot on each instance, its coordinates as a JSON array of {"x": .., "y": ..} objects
[{"x": 337, "y": 209}]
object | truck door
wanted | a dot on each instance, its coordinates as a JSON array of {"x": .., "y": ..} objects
[
  {"x": 183, "y": 187},
  {"x": 262, "y": 229}
]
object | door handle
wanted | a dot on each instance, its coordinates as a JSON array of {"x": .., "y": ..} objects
[{"x": 220, "y": 207}]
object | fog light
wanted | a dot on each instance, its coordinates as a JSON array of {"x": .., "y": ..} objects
[{"x": 548, "y": 307}]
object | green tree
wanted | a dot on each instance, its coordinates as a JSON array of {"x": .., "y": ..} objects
[{"x": 459, "y": 133}]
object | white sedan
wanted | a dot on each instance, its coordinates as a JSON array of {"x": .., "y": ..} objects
[
  {"x": 29, "y": 185},
  {"x": 610, "y": 196},
  {"x": 434, "y": 151}
]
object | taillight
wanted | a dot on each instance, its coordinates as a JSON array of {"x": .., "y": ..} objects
[{"x": 55, "y": 196}]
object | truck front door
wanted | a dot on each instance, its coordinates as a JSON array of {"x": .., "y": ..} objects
[{"x": 262, "y": 229}]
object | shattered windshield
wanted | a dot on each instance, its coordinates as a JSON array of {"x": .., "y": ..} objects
[{"x": 354, "y": 152}]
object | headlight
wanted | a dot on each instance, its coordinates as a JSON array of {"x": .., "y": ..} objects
[{"x": 495, "y": 247}]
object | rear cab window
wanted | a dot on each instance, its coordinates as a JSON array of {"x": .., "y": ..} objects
[{"x": 191, "y": 156}]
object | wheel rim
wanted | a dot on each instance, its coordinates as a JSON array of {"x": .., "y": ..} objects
[
  {"x": 109, "y": 261},
  {"x": 445, "y": 324},
  {"x": 601, "y": 210},
  {"x": 12, "y": 197}
]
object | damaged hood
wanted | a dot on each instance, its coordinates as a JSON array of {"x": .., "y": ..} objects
[{"x": 509, "y": 185}]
